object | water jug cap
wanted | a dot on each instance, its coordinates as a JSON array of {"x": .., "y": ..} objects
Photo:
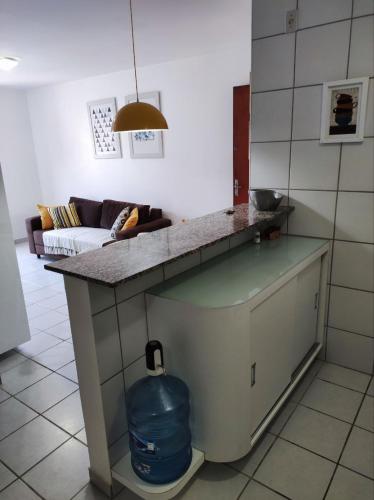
[{"x": 154, "y": 357}]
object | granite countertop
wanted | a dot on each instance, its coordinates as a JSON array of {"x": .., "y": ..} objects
[{"x": 125, "y": 260}]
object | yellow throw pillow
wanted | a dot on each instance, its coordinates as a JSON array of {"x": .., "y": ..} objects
[
  {"x": 132, "y": 220},
  {"x": 47, "y": 222}
]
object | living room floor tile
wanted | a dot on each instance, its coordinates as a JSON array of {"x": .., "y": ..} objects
[
  {"x": 56, "y": 357},
  {"x": 47, "y": 392},
  {"x": 50, "y": 318},
  {"x": 62, "y": 474},
  {"x": 3, "y": 395},
  {"x": 35, "y": 310},
  {"x": 61, "y": 331},
  {"x": 69, "y": 371},
  {"x": 344, "y": 376},
  {"x": 81, "y": 435},
  {"x": 317, "y": 432},
  {"x": 332, "y": 399},
  {"x": 38, "y": 343},
  {"x": 53, "y": 302},
  {"x": 68, "y": 414},
  {"x": 18, "y": 491},
  {"x": 23, "y": 375},
  {"x": 348, "y": 485},
  {"x": 365, "y": 417},
  {"x": 27, "y": 446},
  {"x": 13, "y": 415},
  {"x": 358, "y": 453},
  {"x": 371, "y": 388},
  {"x": 280, "y": 420},
  {"x": 295, "y": 472}
]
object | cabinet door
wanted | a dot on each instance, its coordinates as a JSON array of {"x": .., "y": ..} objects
[
  {"x": 306, "y": 313},
  {"x": 271, "y": 331}
]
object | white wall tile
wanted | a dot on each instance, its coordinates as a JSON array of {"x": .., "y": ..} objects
[
  {"x": 107, "y": 343},
  {"x": 361, "y": 57},
  {"x": 369, "y": 125},
  {"x": 269, "y": 164},
  {"x": 314, "y": 165},
  {"x": 101, "y": 297},
  {"x": 277, "y": 73},
  {"x": 137, "y": 285},
  {"x": 271, "y": 116},
  {"x": 355, "y": 217},
  {"x": 135, "y": 372},
  {"x": 322, "y": 53},
  {"x": 133, "y": 328},
  {"x": 312, "y": 13},
  {"x": 113, "y": 394},
  {"x": 269, "y": 16},
  {"x": 307, "y": 113},
  {"x": 357, "y": 166},
  {"x": 353, "y": 265},
  {"x": 350, "y": 350},
  {"x": 363, "y": 7},
  {"x": 352, "y": 310},
  {"x": 313, "y": 215},
  {"x": 181, "y": 265}
]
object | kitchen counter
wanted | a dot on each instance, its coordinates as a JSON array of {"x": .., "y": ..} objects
[{"x": 123, "y": 261}]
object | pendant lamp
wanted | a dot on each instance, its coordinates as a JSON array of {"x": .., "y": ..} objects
[{"x": 138, "y": 115}]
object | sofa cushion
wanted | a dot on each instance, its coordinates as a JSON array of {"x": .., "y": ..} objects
[
  {"x": 89, "y": 211},
  {"x": 112, "y": 208},
  {"x": 38, "y": 237}
]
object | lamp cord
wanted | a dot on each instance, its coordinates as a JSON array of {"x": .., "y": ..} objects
[{"x": 133, "y": 52}]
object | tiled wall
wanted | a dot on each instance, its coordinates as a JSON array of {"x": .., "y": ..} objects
[{"x": 331, "y": 185}]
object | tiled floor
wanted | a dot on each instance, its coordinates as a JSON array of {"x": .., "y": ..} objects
[{"x": 319, "y": 447}]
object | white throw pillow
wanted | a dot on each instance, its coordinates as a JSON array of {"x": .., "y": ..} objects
[{"x": 119, "y": 222}]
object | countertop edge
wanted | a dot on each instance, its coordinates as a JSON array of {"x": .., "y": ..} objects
[{"x": 281, "y": 212}]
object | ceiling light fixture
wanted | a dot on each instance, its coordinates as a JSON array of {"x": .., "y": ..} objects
[
  {"x": 138, "y": 115},
  {"x": 8, "y": 63}
]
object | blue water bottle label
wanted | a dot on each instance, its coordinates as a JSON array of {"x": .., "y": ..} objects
[{"x": 143, "y": 445}]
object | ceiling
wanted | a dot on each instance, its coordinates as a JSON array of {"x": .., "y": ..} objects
[{"x": 61, "y": 40}]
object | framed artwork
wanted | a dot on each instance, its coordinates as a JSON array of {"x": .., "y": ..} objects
[
  {"x": 146, "y": 143},
  {"x": 106, "y": 144},
  {"x": 343, "y": 110}
]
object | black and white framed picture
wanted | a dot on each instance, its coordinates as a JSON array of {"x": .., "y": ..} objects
[
  {"x": 146, "y": 143},
  {"x": 343, "y": 110},
  {"x": 101, "y": 114}
]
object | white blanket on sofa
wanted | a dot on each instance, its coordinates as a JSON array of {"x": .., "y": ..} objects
[{"x": 74, "y": 240}]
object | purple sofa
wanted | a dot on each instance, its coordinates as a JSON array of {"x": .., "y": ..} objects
[{"x": 102, "y": 215}]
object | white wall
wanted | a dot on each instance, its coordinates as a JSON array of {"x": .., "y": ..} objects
[
  {"x": 17, "y": 158},
  {"x": 194, "y": 178},
  {"x": 330, "y": 185}
]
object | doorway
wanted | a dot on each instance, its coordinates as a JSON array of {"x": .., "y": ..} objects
[{"x": 241, "y": 100}]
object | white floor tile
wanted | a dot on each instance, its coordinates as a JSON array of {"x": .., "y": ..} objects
[
  {"x": 344, "y": 376},
  {"x": 18, "y": 491},
  {"x": 56, "y": 357},
  {"x": 30, "y": 444},
  {"x": 67, "y": 414},
  {"x": 358, "y": 453},
  {"x": 9, "y": 360},
  {"x": 256, "y": 491},
  {"x": 22, "y": 376},
  {"x": 3, "y": 395},
  {"x": 69, "y": 371},
  {"x": 13, "y": 415},
  {"x": 348, "y": 485},
  {"x": 47, "y": 392},
  {"x": 365, "y": 417},
  {"x": 250, "y": 462},
  {"x": 38, "y": 343},
  {"x": 62, "y": 330},
  {"x": 81, "y": 435},
  {"x": 62, "y": 474},
  {"x": 6, "y": 476},
  {"x": 53, "y": 302}
]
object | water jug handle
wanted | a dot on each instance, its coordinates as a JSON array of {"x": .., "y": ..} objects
[{"x": 154, "y": 357}]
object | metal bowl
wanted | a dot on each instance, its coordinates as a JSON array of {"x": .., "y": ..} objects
[{"x": 265, "y": 200}]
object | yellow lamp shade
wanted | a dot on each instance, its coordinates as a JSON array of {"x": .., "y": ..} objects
[{"x": 139, "y": 116}]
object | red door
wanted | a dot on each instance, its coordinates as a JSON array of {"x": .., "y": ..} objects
[{"x": 241, "y": 144}]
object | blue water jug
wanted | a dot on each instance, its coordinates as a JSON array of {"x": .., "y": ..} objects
[{"x": 158, "y": 412}]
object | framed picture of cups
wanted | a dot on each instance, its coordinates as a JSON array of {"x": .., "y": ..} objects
[{"x": 343, "y": 110}]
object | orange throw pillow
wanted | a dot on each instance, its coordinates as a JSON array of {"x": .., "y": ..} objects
[
  {"x": 47, "y": 222},
  {"x": 132, "y": 220}
]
